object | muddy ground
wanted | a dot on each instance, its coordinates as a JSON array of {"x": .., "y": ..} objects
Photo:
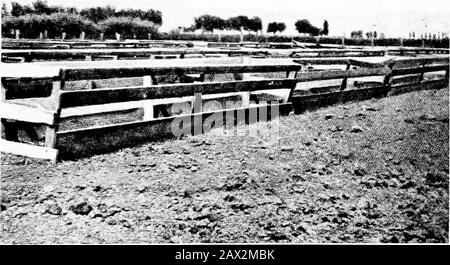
[{"x": 373, "y": 171}]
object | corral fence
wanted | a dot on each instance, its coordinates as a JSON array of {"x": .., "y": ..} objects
[{"x": 89, "y": 109}]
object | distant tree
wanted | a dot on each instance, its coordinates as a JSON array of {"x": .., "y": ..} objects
[
  {"x": 304, "y": 26},
  {"x": 254, "y": 24},
  {"x": 191, "y": 28},
  {"x": 42, "y": 8},
  {"x": 219, "y": 23},
  {"x": 324, "y": 30},
  {"x": 209, "y": 23},
  {"x": 97, "y": 14},
  {"x": 356, "y": 34},
  {"x": 272, "y": 27},
  {"x": 275, "y": 27},
  {"x": 149, "y": 15},
  {"x": 127, "y": 27},
  {"x": 71, "y": 10},
  {"x": 4, "y": 10},
  {"x": 237, "y": 23},
  {"x": 19, "y": 10},
  {"x": 281, "y": 27}
]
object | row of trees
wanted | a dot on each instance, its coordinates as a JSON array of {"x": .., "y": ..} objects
[
  {"x": 40, "y": 18},
  {"x": 254, "y": 24},
  {"x": 211, "y": 23},
  {"x": 31, "y": 26},
  {"x": 33, "y": 19},
  {"x": 95, "y": 14},
  {"x": 358, "y": 34}
]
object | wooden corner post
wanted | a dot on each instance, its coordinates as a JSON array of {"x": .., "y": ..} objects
[{"x": 50, "y": 133}]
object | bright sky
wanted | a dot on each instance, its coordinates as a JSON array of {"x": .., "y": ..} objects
[{"x": 396, "y": 18}]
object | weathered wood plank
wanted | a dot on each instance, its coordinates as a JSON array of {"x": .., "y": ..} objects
[
  {"x": 85, "y": 142},
  {"x": 25, "y": 113},
  {"x": 419, "y": 70},
  {"x": 322, "y": 61},
  {"x": 8, "y": 59},
  {"x": 427, "y": 85},
  {"x": 414, "y": 62},
  {"x": 101, "y": 73},
  {"x": 337, "y": 74},
  {"x": 28, "y": 150},
  {"x": 303, "y": 103},
  {"x": 110, "y": 95},
  {"x": 58, "y": 54}
]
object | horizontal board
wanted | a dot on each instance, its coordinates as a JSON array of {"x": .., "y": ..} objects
[
  {"x": 337, "y": 74},
  {"x": 62, "y": 54},
  {"x": 338, "y": 61},
  {"x": 101, "y": 73},
  {"x": 25, "y": 113},
  {"x": 435, "y": 84},
  {"x": 28, "y": 150},
  {"x": 85, "y": 142},
  {"x": 410, "y": 62},
  {"x": 322, "y": 61},
  {"x": 111, "y": 95},
  {"x": 418, "y": 70},
  {"x": 303, "y": 103}
]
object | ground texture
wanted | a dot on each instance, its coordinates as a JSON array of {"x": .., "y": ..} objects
[{"x": 372, "y": 171}]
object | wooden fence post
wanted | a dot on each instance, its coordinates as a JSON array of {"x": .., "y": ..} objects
[
  {"x": 197, "y": 108},
  {"x": 344, "y": 81},
  {"x": 420, "y": 78},
  {"x": 387, "y": 78},
  {"x": 50, "y": 133},
  {"x": 148, "y": 107}
]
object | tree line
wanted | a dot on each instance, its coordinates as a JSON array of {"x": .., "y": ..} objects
[
  {"x": 95, "y": 14},
  {"x": 39, "y": 17},
  {"x": 32, "y": 20},
  {"x": 254, "y": 24}
]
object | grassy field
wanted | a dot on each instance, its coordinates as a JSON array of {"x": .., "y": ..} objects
[{"x": 372, "y": 171}]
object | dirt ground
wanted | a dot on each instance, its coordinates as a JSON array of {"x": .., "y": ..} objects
[{"x": 373, "y": 171}]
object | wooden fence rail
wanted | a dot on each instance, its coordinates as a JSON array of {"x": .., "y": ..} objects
[{"x": 97, "y": 54}]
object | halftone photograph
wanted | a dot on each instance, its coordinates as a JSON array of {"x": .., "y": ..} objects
[{"x": 209, "y": 122}]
